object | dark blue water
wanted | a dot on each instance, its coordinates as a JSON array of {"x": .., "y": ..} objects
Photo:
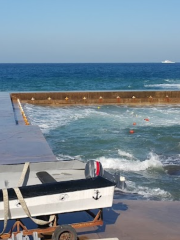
[
  {"x": 67, "y": 77},
  {"x": 149, "y": 158}
]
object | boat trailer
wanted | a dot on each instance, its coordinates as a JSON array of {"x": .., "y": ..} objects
[
  {"x": 93, "y": 173},
  {"x": 59, "y": 232}
]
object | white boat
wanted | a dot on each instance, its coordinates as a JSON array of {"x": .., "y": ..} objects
[
  {"x": 60, "y": 197},
  {"x": 44, "y": 194},
  {"x": 167, "y": 61}
]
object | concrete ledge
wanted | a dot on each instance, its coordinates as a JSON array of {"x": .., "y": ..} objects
[{"x": 100, "y": 97}]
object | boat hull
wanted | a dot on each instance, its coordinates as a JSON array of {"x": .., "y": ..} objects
[{"x": 67, "y": 197}]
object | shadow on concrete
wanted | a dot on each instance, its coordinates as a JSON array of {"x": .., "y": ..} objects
[{"x": 110, "y": 216}]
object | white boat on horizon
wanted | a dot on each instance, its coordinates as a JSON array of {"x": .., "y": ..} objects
[{"x": 167, "y": 61}]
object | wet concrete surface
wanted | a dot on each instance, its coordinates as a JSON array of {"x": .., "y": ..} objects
[
  {"x": 138, "y": 220},
  {"x": 6, "y": 111},
  {"x": 127, "y": 220},
  {"x": 20, "y": 143},
  {"x": 143, "y": 220}
]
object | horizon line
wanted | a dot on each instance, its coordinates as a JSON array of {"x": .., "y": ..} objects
[{"x": 78, "y": 62}]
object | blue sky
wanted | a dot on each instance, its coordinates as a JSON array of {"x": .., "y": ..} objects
[{"x": 52, "y": 31}]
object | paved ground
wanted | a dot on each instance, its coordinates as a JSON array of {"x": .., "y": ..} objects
[
  {"x": 129, "y": 220},
  {"x": 6, "y": 111},
  {"x": 143, "y": 220},
  {"x": 20, "y": 143},
  {"x": 134, "y": 220}
]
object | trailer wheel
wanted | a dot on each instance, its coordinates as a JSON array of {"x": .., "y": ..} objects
[{"x": 64, "y": 232}]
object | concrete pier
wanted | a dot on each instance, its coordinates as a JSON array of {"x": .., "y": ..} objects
[
  {"x": 20, "y": 143},
  {"x": 6, "y": 111},
  {"x": 127, "y": 220}
]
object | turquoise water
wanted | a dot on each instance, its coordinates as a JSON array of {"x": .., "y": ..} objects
[
  {"x": 148, "y": 158},
  {"x": 103, "y": 133}
]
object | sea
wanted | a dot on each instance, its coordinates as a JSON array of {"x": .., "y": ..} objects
[{"x": 149, "y": 158}]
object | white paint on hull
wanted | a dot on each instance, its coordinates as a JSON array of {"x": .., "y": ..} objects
[{"x": 61, "y": 203}]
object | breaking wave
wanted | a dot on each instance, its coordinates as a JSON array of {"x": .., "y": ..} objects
[
  {"x": 125, "y": 154},
  {"x": 149, "y": 193},
  {"x": 163, "y": 85},
  {"x": 131, "y": 164},
  {"x": 63, "y": 157},
  {"x": 102, "y": 133},
  {"x": 49, "y": 118}
]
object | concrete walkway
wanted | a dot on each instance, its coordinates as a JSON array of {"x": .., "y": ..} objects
[
  {"x": 143, "y": 220},
  {"x": 133, "y": 220},
  {"x": 6, "y": 111},
  {"x": 20, "y": 143}
]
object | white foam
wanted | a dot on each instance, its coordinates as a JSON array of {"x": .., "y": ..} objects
[
  {"x": 169, "y": 80},
  {"x": 48, "y": 118},
  {"x": 149, "y": 193},
  {"x": 125, "y": 154},
  {"x": 63, "y": 157},
  {"x": 158, "y": 116},
  {"x": 131, "y": 165},
  {"x": 163, "y": 85}
]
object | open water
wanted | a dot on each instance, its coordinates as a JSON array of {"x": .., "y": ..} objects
[{"x": 149, "y": 158}]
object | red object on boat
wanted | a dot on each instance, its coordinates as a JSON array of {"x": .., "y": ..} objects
[{"x": 97, "y": 168}]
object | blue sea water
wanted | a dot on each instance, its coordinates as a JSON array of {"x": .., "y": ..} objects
[
  {"x": 149, "y": 158},
  {"x": 67, "y": 77}
]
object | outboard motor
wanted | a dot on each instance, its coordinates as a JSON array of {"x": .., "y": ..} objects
[{"x": 94, "y": 169}]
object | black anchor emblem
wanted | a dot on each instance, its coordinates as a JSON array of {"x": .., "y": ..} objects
[{"x": 97, "y": 197}]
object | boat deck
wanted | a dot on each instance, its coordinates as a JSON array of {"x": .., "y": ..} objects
[{"x": 127, "y": 219}]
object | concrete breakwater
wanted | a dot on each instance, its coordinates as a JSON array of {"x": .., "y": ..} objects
[{"x": 99, "y": 97}]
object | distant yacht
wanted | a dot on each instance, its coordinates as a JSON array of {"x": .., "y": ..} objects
[{"x": 167, "y": 61}]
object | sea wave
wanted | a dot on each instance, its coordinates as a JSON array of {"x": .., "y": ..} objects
[
  {"x": 148, "y": 192},
  {"x": 163, "y": 85},
  {"x": 63, "y": 157},
  {"x": 131, "y": 164},
  {"x": 169, "y": 80},
  {"x": 123, "y": 153},
  {"x": 49, "y": 118}
]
